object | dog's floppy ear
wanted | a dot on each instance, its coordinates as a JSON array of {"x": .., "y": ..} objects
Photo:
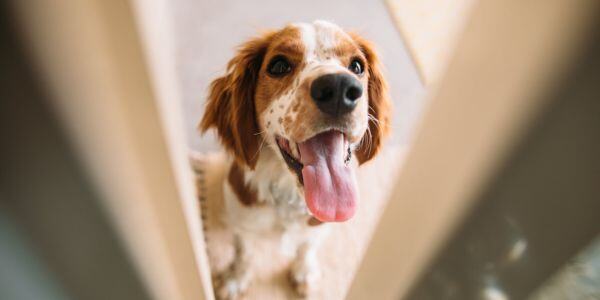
[
  {"x": 230, "y": 105},
  {"x": 379, "y": 103}
]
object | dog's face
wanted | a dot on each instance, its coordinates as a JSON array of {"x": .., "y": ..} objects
[{"x": 315, "y": 95}]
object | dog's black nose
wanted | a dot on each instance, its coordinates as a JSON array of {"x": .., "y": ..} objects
[{"x": 336, "y": 94}]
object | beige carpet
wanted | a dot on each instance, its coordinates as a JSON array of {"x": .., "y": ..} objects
[{"x": 339, "y": 255}]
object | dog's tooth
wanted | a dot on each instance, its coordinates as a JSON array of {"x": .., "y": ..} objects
[{"x": 295, "y": 151}]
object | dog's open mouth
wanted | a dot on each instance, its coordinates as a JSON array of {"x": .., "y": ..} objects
[
  {"x": 291, "y": 157},
  {"x": 321, "y": 165}
]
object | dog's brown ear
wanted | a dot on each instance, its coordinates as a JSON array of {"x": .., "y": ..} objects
[
  {"x": 379, "y": 103},
  {"x": 230, "y": 105}
]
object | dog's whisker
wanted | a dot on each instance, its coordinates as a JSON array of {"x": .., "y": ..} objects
[
  {"x": 261, "y": 145},
  {"x": 369, "y": 141},
  {"x": 374, "y": 119}
]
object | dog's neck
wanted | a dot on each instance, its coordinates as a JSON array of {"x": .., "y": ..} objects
[{"x": 275, "y": 184}]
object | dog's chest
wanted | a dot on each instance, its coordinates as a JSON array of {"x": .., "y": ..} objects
[
  {"x": 288, "y": 203},
  {"x": 278, "y": 189},
  {"x": 280, "y": 204}
]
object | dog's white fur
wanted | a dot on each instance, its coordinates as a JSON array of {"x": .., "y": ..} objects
[{"x": 285, "y": 213}]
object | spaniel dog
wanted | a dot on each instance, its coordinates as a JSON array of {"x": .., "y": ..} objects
[{"x": 297, "y": 110}]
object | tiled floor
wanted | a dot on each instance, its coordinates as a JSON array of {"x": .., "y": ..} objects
[{"x": 207, "y": 32}]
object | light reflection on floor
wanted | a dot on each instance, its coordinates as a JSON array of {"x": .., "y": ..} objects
[{"x": 579, "y": 279}]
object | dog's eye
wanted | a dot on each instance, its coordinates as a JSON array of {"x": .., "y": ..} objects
[
  {"x": 356, "y": 67},
  {"x": 279, "y": 66}
]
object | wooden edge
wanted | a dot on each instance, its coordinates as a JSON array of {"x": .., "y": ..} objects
[
  {"x": 91, "y": 58},
  {"x": 156, "y": 29},
  {"x": 492, "y": 88},
  {"x": 389, "y": 4}
]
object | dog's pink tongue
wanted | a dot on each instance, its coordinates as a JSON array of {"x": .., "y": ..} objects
[{"x": 329, "y": 184}]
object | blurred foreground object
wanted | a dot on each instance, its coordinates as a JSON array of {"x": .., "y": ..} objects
[{"x": 500, "y": 187}]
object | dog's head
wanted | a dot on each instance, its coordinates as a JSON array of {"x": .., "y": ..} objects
[{"x": 313, "y": 93}]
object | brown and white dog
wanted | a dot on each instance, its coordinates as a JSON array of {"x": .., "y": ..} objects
[{"x": 293, "y": 107}]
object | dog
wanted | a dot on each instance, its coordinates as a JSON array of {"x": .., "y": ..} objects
[{"x": 297, "y": 110}]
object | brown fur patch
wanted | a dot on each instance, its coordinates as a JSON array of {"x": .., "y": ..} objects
[
  {"x": 379, "y": 102},
  {"x": 287, "y": 43},
  {"x": 347, "y": 49},
  {"x": 245, "y": 193},
  {"x": 307, "y": 114},
  {"x": 231, "y": 102},
  {"x": 312, "y": 221}
]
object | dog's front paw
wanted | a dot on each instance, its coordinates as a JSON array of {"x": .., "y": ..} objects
[
  {"x": 304, "y": 276},
  {"x": 230, "y": 287}
]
